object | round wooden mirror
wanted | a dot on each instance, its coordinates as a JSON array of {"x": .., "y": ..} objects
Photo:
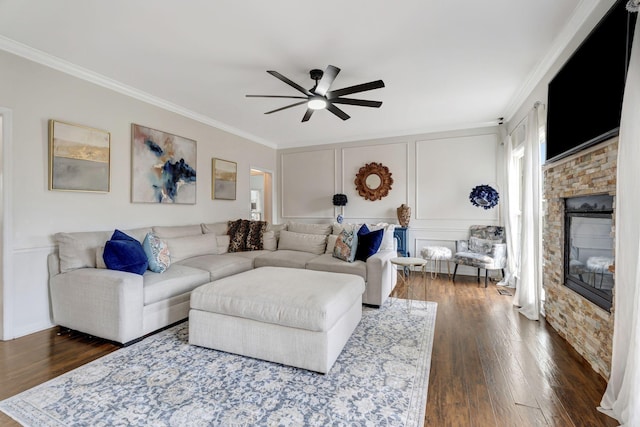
[{"x": 373, "y": 181}]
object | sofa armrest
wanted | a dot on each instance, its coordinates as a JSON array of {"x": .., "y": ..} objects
[
  {"x": 100, "y": 302},
  {"x": 381, "y": 278}
]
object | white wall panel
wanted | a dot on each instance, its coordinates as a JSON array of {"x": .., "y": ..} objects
[
  {"x": 446, "y": 171},
  {"x": 308, "y": 184},
  {"x": 31, "y": 303},
  {"x": 393, "y": 156}
]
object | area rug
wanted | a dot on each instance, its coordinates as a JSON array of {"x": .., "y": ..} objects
[{"x": 380, "y": 379}]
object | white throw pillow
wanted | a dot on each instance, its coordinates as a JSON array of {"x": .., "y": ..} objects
[
  {"x": 388, "y": 239},
  {"x": 269, "y": 241},
  {"x": 303, "y": 242},
  {"x": 331, "y": 243}
]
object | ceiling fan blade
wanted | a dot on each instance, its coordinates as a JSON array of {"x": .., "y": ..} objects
[
  {"x": 307, "y": 115},
  {"x": 338, "y": 112},
  {"x": 288, "y": 106},
  {"x": 290, "y": 83},
  {"x": 359, "y": 102},
  {"x": 357, "y": 88},
  {"x": 327, "y": 79},
  {"x": 276, "y": 96}
]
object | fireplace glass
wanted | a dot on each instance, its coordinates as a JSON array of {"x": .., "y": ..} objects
[{"x": 589, "y": 248}]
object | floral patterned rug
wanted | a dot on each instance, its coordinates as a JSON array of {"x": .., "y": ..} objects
[{"x": 380, "y": 379}]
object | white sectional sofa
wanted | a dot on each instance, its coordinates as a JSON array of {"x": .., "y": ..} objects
[{"x": 123, "y": 307}]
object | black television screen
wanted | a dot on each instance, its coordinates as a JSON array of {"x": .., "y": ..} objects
[{"x": 585, "y": 96}]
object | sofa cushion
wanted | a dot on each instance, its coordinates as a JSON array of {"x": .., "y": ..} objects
[
  {"x": 284, "y": 258},
  {"x": 217, "y": 228},
  {"x": 368, "y": 242},
  {"x": 299, "y": 227},
  {"x": 189, "y": 246},
  {"x": 346, "y": 245},
  {"x": 125, "y": 253},
  {"x": 327, "y": 262},
  {"x": 177, "y": 231},
  {"x": 157, "y": 252},
  {"x": 223, "y": 244},
  {"x": 252, "y": 255},
  {"x": 312, "y": 243},
  {"x": 176, "y": 280},
  {"x": 78, "y": 250},
  {"x": 219, "y": 266}
]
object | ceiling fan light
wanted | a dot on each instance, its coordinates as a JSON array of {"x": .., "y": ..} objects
[{"x": 317, "y": 103}]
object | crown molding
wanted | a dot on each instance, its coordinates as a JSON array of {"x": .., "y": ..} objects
[{"x": 67, "y": 67}]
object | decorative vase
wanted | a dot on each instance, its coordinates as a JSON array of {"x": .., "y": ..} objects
[
  {"x": 404, "y": 215},
  {"x": 340, "y": 218}
]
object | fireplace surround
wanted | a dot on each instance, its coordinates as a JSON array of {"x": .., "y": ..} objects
[{"x": 586, "y": 326}]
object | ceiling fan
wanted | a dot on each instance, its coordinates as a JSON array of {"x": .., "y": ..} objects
[{"x": 320, "y": 97}]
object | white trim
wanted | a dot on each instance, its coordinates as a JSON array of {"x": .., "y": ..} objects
[
  {"x": 59, "y": 64},
  {"x": 6, "y": 173}
]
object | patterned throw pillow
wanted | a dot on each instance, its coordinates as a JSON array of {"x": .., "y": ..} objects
[
  {"x": 246, "y": 235},
  {"x": 480, "y": 246},
  {"x": 346, "y": 245},
  {"x": 157, "y": 252}
]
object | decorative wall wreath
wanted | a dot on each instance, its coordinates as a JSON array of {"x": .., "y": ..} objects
[
  {"x": 484, "y": 196},
  {"x": 373, "y": 181}
]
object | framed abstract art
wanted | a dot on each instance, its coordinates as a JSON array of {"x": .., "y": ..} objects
[
  {"x": 223, "y": 179},
  {"x": 163, "y": 167},
  {"x": 79, "y": 158}
]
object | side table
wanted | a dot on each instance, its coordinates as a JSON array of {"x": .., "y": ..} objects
[{"x": 408, "y": 265}]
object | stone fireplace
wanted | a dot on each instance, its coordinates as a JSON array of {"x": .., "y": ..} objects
[{"x": 587, "y": 326}]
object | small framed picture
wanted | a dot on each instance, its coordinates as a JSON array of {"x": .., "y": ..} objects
[
  {"x": 79, "y": 158},
  {"x": 223, "y": 179}
]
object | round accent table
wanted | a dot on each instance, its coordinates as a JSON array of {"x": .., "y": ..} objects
[
  {"x": 407, "y": 265},
  {"x": 435, "y": 255}
]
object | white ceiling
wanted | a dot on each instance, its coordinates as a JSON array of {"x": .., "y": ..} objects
[{"x": 446, "y": 64}]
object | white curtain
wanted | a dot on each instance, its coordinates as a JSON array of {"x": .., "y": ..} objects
[
  {"x": 511, "y": 211},
  {"x": 527, "y": 295},
  {"x": 621, "y": 400}
]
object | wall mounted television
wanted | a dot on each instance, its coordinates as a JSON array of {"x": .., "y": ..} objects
[{"x": 585, "y": 96}]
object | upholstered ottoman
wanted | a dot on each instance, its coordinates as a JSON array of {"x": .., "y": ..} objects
[
  {"x": 435, "y": 255},
  {"x": 296, "y": 317}
]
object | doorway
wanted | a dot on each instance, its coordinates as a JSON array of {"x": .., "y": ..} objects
[{"x": 261, "y": 197}]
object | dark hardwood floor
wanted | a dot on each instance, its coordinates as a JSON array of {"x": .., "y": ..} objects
[{"x": 490, "y": 365}]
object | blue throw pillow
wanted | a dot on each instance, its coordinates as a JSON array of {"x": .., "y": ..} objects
[
  {"x": 125, "y": 253},
  {"x": 368, "y": 242}
]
